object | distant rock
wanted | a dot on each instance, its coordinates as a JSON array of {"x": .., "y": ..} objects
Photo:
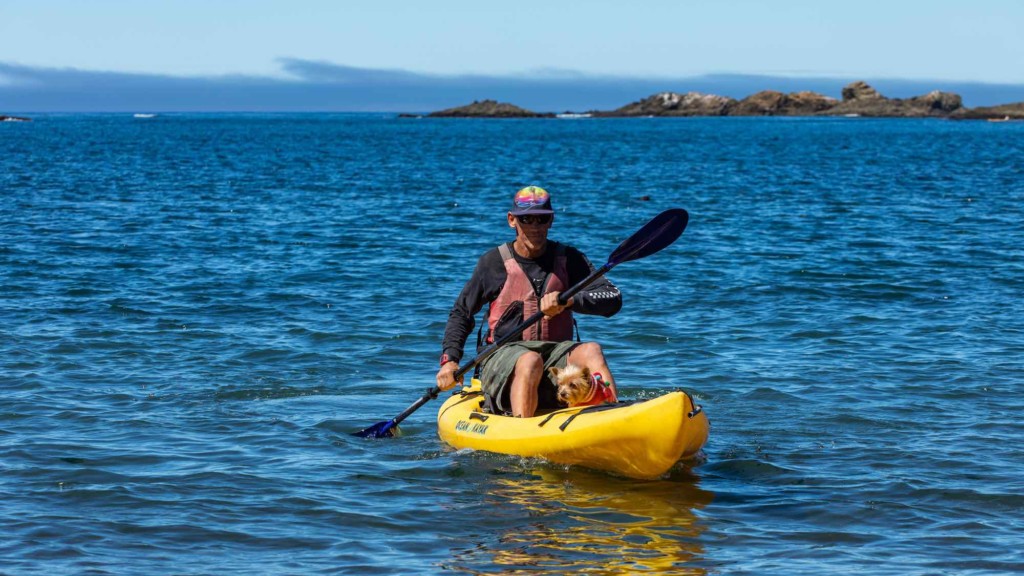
[
  {"x": 994, "y": 113},
  {"x": 675, "y": 104},
  {"x": 488, "y": 109},
  {"x": 939, "y": 102},
  {"x": 859, "y": 99},
  {"x": 772, "y": 103},
  {"x": 14, "y": 119},
  {"x": 860, "y": 91}
]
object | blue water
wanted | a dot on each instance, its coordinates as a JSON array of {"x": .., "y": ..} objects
[{"x": 197, "y": 310}]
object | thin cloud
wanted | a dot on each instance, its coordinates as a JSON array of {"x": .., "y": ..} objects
[{"x": 317, "y": 71}]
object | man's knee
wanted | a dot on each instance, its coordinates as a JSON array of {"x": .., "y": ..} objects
[
  {"x": 530, "y": 362},
  {"x": 590, "y": 351}
]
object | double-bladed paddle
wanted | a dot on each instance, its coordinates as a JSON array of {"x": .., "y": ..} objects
[{"x": 659, "y": 233}]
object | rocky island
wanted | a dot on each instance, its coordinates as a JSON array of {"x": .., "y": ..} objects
[
  {"x": 14, "y": 119},
  {"x": 765, "y": 103},
  {"x": 488, "y": 109},
  {"x": 858, "y": 99},
  {"x": 772, "y": 103},
  {"x": 673, "y": 104}
]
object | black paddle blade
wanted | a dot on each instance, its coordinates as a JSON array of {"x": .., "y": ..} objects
[
  {"x": 386, "y": 429},
  {"x": 659, "y": 233}
]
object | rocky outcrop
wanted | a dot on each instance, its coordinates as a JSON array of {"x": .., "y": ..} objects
[
  {"x": 860, "y": 91},
  {"x": 860, "y": 99},
  {"x": 14, "y": 119},
  {"x": 938, "y": 102},
  {"x": 674, "y": 104},
  {"x": 772, "y": 103},
  {"x": 994, "y": 113},
  {"x": 488, "y": 109}
]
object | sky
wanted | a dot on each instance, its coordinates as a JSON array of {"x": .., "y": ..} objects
[{"x": 274, "y": 43}]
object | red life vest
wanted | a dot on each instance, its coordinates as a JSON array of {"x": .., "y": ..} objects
[{"x": 519, "y": 288}]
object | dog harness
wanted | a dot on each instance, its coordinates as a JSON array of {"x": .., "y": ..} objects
[{"x": 518, "y": 288}]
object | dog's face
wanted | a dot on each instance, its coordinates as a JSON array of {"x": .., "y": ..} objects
[{"x": 574, "y": 384}]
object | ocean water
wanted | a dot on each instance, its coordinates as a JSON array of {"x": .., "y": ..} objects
[{"x": 197, "y": 310}]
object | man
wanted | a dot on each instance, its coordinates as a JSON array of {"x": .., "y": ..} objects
[{"x": 517, "y": 279}]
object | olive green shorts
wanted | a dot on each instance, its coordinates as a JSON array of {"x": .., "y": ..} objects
[{"x": 496, "y": 373}]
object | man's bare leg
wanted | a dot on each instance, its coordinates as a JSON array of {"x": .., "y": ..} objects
[{"x": 525, "y": 381}]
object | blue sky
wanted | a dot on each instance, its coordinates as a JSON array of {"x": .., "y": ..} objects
[{"x": 953, "y": 42}]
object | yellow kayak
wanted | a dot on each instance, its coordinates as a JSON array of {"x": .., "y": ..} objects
[{"x": 641, "y": 439}]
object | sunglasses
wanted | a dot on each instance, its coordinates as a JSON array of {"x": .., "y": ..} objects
[{"x": 531, "y": 219}]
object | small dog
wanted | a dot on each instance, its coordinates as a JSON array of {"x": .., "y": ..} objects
[{"x": 578, "y": 387}]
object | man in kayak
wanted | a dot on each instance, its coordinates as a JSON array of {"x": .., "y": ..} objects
[{"x": 517, "y": 279}]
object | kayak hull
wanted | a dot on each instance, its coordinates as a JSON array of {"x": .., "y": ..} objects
[{"x": 642, "y": 439}]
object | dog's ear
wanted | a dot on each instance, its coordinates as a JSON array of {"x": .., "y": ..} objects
[
  {"x": 554, "y": 372},
  {"x": 586, "y": 374}
]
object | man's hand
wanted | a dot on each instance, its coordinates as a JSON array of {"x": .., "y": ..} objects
[
  {"x": 550, "y": 306},
  {"x": 446, "y": 376}
]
